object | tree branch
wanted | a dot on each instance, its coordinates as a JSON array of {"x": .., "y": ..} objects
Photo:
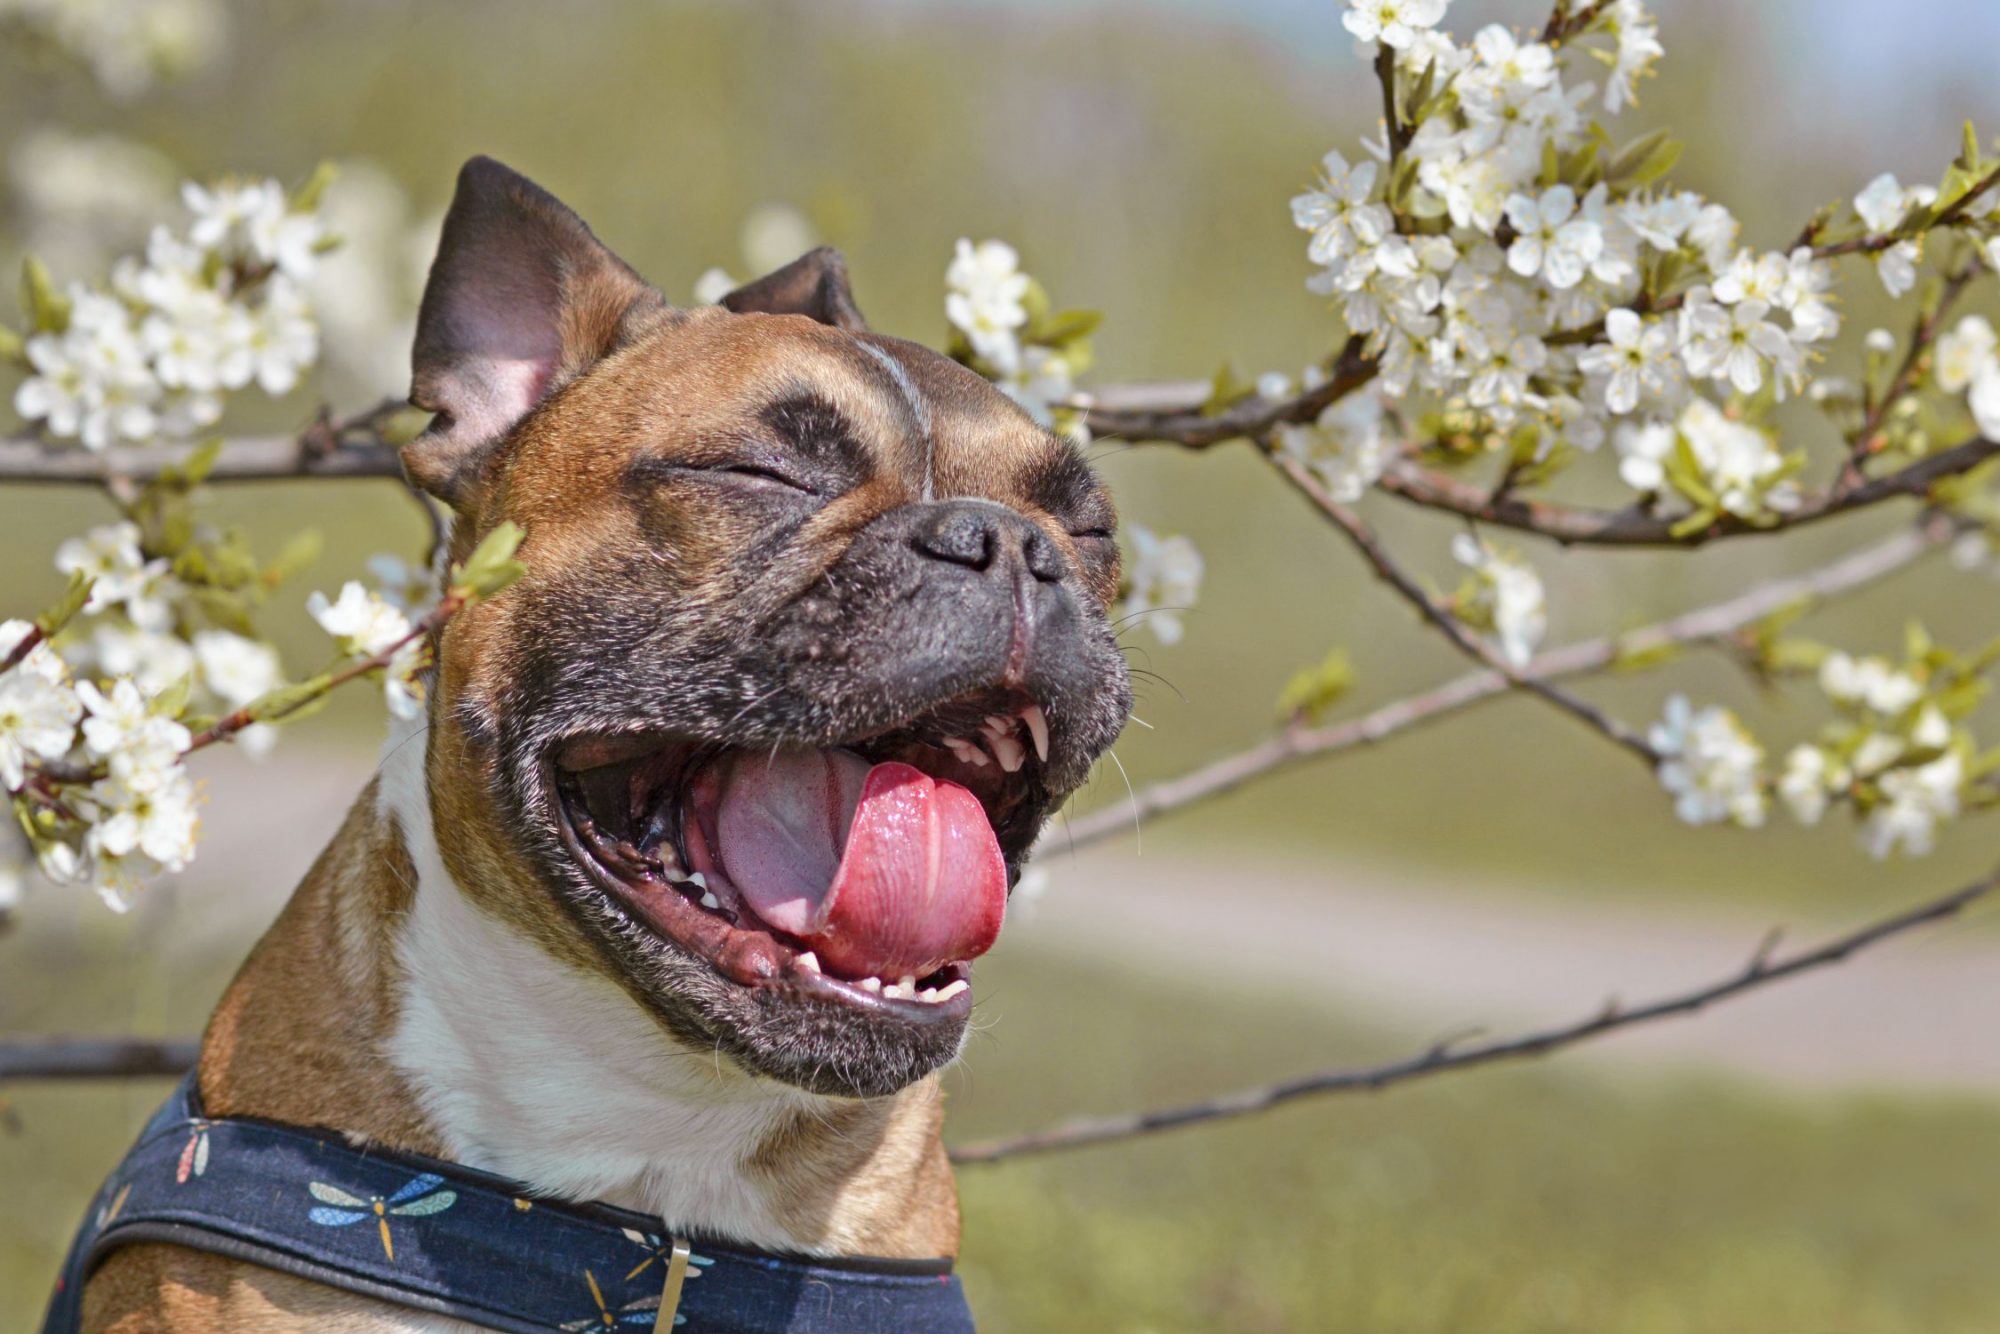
[
  {"x": 95, "y": 1058},
  {"x": 1762, "y": 970},
  {"x": 1386, "y": 569},
  {"x": 1708, "y": 624}
]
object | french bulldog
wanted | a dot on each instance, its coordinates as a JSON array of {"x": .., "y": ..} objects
[{"x": 671, "y": 900}]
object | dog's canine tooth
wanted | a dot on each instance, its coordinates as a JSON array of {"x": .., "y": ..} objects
[
  {"x": 808, "y": 962},
  {"x": 1038, "y": 729}
]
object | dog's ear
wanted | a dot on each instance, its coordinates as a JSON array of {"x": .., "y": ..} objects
[
  {"x": 521, "y": 299},
  {"x": 814, "y": 284}
]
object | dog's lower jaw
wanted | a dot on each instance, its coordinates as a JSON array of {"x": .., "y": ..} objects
[{"x": 529, "y": 1067}]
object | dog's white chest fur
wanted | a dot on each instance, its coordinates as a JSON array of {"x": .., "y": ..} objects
[{"x": 553, "y": 1076}]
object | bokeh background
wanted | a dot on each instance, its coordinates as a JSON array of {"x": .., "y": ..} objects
[{"x": 1825, "y": 1158}]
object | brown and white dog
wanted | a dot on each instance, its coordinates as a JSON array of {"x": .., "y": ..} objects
[{"x": 811, "y": 612}]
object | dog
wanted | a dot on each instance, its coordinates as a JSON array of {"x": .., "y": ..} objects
[{"x": 669, "y": 902}]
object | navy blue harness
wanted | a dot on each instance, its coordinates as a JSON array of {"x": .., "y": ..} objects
[{"x": 439, "y": 1237}]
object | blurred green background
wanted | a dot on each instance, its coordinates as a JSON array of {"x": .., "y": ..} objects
[{"x": 1141, "y": 157}]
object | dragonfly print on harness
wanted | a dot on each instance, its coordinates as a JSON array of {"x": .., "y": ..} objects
[{"x": 417, "y": 1198}]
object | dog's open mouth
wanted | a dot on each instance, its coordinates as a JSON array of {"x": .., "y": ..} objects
[{"x": 870, "y": 871}]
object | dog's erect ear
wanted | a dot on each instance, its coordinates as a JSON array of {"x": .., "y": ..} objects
[
  {"x": 521, "y": 299},
  {"x": 814, "y": 284}
]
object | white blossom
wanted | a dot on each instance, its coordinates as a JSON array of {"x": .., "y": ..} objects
[
  {"x": 1394, "y": 23},
  {"x": 1506, "y": 594},
  {"x": 1915, "y": 801},
  {"x": 1638, "y": 47},
  {"x": 235, "y": 669},
  {"x": 38, "y": 710},
  {"x": 1550, "y": 239},
  {"x": 985, "y": 292},
  {"x": 1732, "y": 343},
  {"x": 1740, "y": 463},
  {"x": 1643, "y": 450},
  {"x": 1871, "y": 682},
  {"x": 360, "y": 620},
  {"x": 1964, "y": 353},
  {"x": 1710, "y": 764},
  {"x": 1633, "y": 361},
  {"x": 1162, "y": 581},
  {"x": 122, "y": 578},
  {"x": 1347, "y": 446},
  {"x": 1807, "y": 783}
]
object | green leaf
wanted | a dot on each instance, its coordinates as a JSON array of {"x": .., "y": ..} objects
[
  {"x": 201, "y": 461},
  {"x": 52, "y": 621},
  {"x": 1695, "y": 522},
  {"x": 1968, "y": 153},
  {"x": 301, "y": 550},
  {"x": 1313, "y": 692},
  {"x": 1067, "y": 326},
  {"x": 308, "y": 196},
  {"x": 290, "y": 702},
  {"x": 46, "y": 308},
  {"x": 491, "y": 567},
  {"x": 1634, "y": 660},
  {"x": 1656, "y": 164},
  {"x": 1225, "y": 390},
  {"x": 13, "y": 347}
]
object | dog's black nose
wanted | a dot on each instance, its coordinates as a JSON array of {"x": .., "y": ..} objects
[{"x": 979, "y": 533}]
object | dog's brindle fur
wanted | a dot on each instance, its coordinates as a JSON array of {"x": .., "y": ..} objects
[{"x": 753, "y": 525}]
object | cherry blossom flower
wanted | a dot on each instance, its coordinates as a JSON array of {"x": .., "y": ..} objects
[
  {"x": 1711, "y": 765},
  {"x": 985, "y": 290},
  {"x": 1505, "y": 595},
  {"x": 1394, "y": 23},
  {"x": 1915, "y": 801},
  {"x": 38, "y": 710},
  {"x": 1162, "y": 581},
  {"x": 1634, "y": 360},
  {"x": 1550, "y": 239},
  {"x": 359, "y": 620}
]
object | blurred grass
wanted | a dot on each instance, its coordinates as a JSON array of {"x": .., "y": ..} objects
[{"x": 1527, "y": 1201}]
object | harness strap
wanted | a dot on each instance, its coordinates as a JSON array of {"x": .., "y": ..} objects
[{"x": 440, "y": 1237}]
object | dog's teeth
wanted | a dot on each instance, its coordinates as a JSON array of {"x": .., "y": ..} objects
[
  {"x": 1010, "y": 752},
  {"x": 908, "y": 982},
  {"x": 998, "y": 725},
  {"x": 928, "y": 995},
  {"x": 698, "y": 880},
  {"x": 946, "y": 992},
  {"x": 1038, "y": 728},
  {"x": 710, "y": 901},
  {"x": 967, "y": 751},
  {"x": 870, "y": 984},
  {"x": 808, "y": 962},
  {"x": 897, "y": 991}
]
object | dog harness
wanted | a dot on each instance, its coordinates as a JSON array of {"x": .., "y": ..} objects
[{"x": 439, "y": 1237}]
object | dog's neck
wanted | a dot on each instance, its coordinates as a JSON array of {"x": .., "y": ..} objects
[{"x": 439, "y": 1028}]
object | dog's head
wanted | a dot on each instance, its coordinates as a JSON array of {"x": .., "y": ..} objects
[{"x": 812, "y": 642}]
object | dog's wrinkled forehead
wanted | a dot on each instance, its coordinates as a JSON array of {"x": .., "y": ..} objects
[{"x": 872, "y": 420}]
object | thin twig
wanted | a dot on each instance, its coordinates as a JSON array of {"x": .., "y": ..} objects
[
  {"x": 22, "y": 648},
  {"x": 1364, "y": 540},
  {"x": 1298, "y": 743},
  {"x": 1762, "y": 970},
  {"x": 1868, "y": 441},
  {"x": 95, "y": 1058}
]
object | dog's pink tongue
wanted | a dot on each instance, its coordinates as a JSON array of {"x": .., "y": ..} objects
[{"x": 883, "y": 871}]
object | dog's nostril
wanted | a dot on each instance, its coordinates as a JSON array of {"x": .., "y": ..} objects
[
  {"x": 1042, "y": 558},
  {"x": 961, "y": 538}
]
